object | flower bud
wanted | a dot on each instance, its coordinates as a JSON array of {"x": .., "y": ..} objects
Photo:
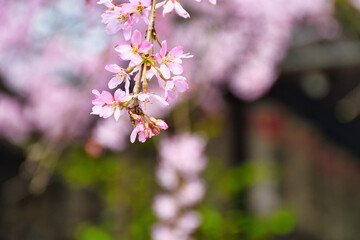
[{"x": 162, "y": 124}]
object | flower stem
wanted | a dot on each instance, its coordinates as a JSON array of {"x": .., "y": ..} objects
[
  {"x": 158, "y": 70},
  {"x": 149, "y": 31}
]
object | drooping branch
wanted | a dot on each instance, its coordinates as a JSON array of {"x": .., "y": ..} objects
[{"x": 149, "y": 32}]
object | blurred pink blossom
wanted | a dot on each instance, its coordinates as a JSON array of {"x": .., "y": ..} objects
[{"x": 181, "y": 160}]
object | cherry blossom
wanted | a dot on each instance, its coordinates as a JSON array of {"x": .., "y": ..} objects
[
  {"x": 165, "y": 206},
  {"x": 171, "y": 61},
  {"x": 145, "y": 98},
  {"x": 106, "y": 105},
  {"x": 170, "y": 5},
  {"x": 172, "y": 87},
  {"x": 151, "y": 97},
  {"x": 132, "y": 52},
  {"x": 144, "y": 64},
  {"x": 140, "y": 131},
  {"x": 138, "y": 9},
  {"x": 121, "y": 76},
  {"x": 116, "y": 19},
  {"x": 184, "y": 189}
]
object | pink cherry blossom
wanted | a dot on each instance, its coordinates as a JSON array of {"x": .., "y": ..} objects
[
  {"x": 171, "y": 61},
  {"x": 189, "y": 221},
  {"x": 121, "y": 76},
  {"x": 161, "y": 124},
  {"x": 156, "y": 125},
  {"x": 184, "y": 153},
  {"x": 167, "y": 177},
  {"x": 132, "y": 52},
  {"x": 116, "y": 19},
  {"x": 164, "y": 232},
  {"x": 191, "y": 193},
  {"x": 140, "y": 130},
  {"x": 106, "y": 105},
  {"x": 112, "y": 134},
  {"x": 177, "y": 84},
  {"x": 170, "y": 5},
  {"x": 184, "y": 188},
  {"x": 139, "y": 9},
  {"x": 165, "y": 207},
  {"x": 151, "y": 98}
]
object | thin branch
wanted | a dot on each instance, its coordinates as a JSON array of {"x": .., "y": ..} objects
[{"x": 149, "y": 31}]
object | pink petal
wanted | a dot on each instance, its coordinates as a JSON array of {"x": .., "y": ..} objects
[
  {"x": 107, "y": 3},
  {"x": 169, "y": 6},
  {"x": 161, "y": 82},
  {"x": 96, "y": 110},
  {"x": 160, "y": 4},
  {"x": 113, "y": 27},
  {"x": 126, "y": 55},
  {"x": 162, "y": 124},
  {"x": 108, "y": 16},
  {"x": 143, "y": 97},
  {"x": 176, "y": 51},
  {"x": 145, "y": 16},
  {"x": 159, "y": 100},
  {"x": 127, "y": 32},
  {"x": 142, "y": 137},
  {"x": 145, "y": 46},
  {"x": 114, "y": 82},
  {"x": 181, "y": 86},
  {"x": 122, "y": 48},
  {"x": 147, "y": 3},
  {"x": 107, "y": 111},
  {"x": 181, "y": 11},
  {"x": 136, "y": 38},
  {"x": 176, "y": 68},
  {"x": 106, "y": 97},
  {"x": 158, "y": 58},
  {"x": 169, "y": 85},
  {"x": 127, "y": 98},
  {"x": 134, "y": 2},
  {"x": 163, "y": 49},
  {"x": 95, "y": 92},
  {"x": 136, "y": 59},
  {"x": 127, "y": 85},
  {"x": 129, "y": 8},
  {"x": 114, "y": 68},
  {"x": 119, "y": 95},
  {"x": 133, "y": 135},
  {"x": 165, "y": 71}
]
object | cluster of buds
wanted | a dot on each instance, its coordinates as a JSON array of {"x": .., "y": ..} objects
[
  {"x": 181, "y": 161},
  {"x": 144, "y": 64}
]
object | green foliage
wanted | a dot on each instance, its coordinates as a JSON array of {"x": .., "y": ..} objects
[
  {"x": 91, "y": 232},
  {"x": 282, "y": 222},
  {"x": 223, "y": 218},
  {"x": 348, "y": 17},
  {"x": 82, "y": 170},
  {"x": 127, "y": 186}
]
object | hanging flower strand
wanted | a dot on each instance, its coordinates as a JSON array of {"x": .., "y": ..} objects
[{"x": 164, "y": 65}]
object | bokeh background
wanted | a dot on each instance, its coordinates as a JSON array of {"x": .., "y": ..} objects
[{"x": 274, "y": 94}]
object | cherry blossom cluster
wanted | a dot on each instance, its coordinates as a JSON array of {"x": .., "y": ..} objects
[
  {"x": 143, "y": 63},
  {"x": 181, "y": 161}
]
